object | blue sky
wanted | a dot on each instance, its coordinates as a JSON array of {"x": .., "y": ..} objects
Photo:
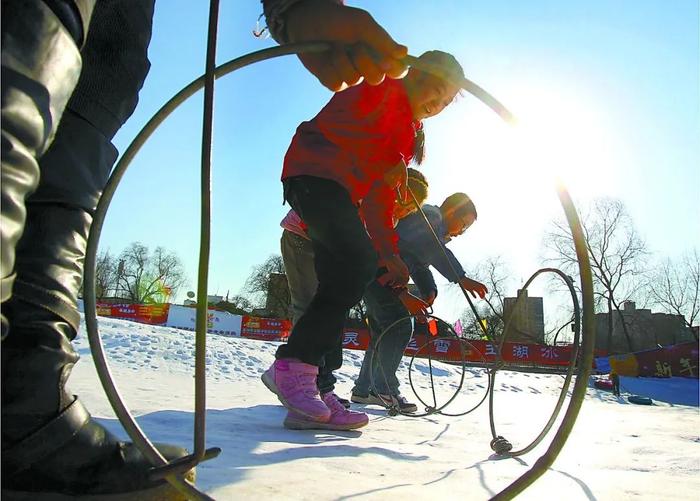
[{"x": 606, "y": 93}]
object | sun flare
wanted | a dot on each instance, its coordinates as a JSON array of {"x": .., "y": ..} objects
[
  {"x": 561, "y": 139},
  {"x": 558, "y": 138}
]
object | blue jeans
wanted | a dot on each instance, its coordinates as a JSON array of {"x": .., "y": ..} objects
[{"x": 383, "y": 309}]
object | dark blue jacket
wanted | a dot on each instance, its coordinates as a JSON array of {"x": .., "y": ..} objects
[{"x": 419, "y": 250}]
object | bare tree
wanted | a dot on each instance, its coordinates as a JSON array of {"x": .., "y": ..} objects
[
  {"x": 146, "y": 278},
  {"x": 493, "y": 273},
  {"x": 105, "y": 274},
  {"x": 267, "y": 286},
  {"x": 131, "y": 269},
  {"x": 616, "y": 251},
  {"x": 167, "y": 276},
  {"x": 674, "y": 286},
  {"x": 241, "y": 303}
]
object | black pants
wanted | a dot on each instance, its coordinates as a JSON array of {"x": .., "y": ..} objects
[
  {"x": 344, "y": 259},
  {"x": 52, "y": 194},
  {"x": 298, "y": 258},
  {"x": 332, "y": 361}
]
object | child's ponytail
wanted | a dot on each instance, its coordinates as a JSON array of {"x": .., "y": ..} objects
[
  {"x": 418, "y": 185},
  {"x": 419, "y": 146}
]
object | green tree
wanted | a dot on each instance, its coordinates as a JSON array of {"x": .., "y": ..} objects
[{"x": 145, "y": 277}]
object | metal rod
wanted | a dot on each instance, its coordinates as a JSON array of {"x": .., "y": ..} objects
[
  {"x": 584, "y": 369},
  {"x": 569, "y": 372},
  {"x": 200, "y": 379},
  {"x": 89, "y": 296}
]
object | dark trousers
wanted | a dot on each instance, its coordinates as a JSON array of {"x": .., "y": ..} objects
[
  {"x": 344, "y": 259},
  {"x": 51, "y": 191},
  {"x": 332, "y": 361},
  {"x": 298, "y": 258}
]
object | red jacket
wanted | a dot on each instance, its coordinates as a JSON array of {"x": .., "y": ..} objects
[{"x": 361, "y": 133}]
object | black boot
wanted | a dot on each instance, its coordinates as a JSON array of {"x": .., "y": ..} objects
[
  {"x": 51, "y": 447},
  {"x": 40, "y": 68}
]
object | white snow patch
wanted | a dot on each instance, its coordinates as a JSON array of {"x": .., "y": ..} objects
[{"x": 616, "y": 450}]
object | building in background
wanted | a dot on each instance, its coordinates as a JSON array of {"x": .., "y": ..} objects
[
  {"x": 214, "y": 298},
  {"x": 646, "y": 330},
  {"x": 525, "y": 318},
  {"x": 276, "y": 299}
]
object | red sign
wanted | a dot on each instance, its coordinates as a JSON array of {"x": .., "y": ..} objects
[
  {"x": 447, "y": 349},
  {"x": 356, "y": 339},
  {"x": 156, "y": 314},
  {"x": 676, "y": 360},
  {"x": 452, "y": 350},
  {"x": 267, "y": 329}
]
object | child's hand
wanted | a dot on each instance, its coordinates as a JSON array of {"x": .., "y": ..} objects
[
  {"x": 474, "y": 287},
  {"x": 415, "y": 305},
  {"x": 363, "y": 49},
  {"x": 397, "y": 274},
  {"x": 430, "y": 298}
]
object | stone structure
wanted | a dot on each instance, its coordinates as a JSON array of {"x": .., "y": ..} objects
[
  {"x": 647, "y": 330},
  {"x": 527, "y": 323},
  {"x": 277, "y": 300}
]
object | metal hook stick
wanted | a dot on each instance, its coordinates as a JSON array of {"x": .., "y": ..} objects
[{"x": 200, "y": 397}]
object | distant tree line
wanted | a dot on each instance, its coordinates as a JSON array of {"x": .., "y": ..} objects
[{"x": 624, "y": 269}]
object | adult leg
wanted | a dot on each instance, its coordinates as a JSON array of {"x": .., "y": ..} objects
[
  {"x": 50, "y": 443},
  {"x": 384, "y": 309},
  {"x": 40, "y": 67}
]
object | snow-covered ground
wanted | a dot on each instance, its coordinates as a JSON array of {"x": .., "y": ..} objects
[{"x": 617, "y": 450}]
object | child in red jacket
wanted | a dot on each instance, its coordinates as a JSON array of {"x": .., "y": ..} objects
[
  {"x": 344, "y": 167},
  {"x": 298, "y": 257}
]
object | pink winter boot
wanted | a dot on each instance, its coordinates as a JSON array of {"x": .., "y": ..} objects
[
  {"x": 341, "y": 418},
  {"x": 294, "y": 383}
]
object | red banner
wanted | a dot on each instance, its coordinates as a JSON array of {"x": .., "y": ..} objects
[
  {"x": 356, "y": 339},
  {"x": 676, "y": 360},
  {"x": 453, "y": 350},
  {"x": 447, "y": 349},
  {"x": 267, "y": 329},
  {"x": 474, "y": 351},
  {"x": 156, "y": 314}
]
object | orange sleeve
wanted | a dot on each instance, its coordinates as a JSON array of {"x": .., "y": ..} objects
[{"x": 377, "y": 210}]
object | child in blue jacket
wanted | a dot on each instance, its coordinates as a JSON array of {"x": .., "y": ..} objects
[{"x": 419, "y": 250}]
